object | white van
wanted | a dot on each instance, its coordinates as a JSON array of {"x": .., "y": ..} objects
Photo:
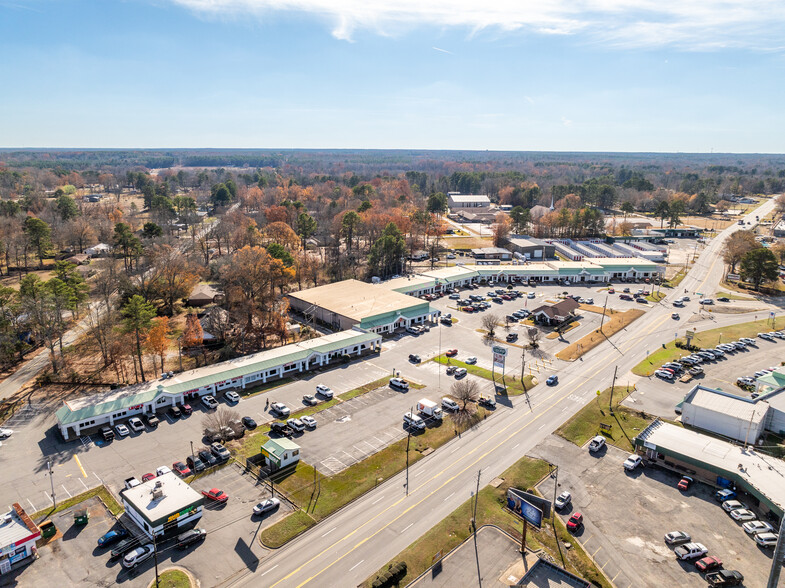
[{"x": 413, "y": 421}]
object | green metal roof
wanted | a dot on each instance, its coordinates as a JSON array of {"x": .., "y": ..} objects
[
  {"x": 775, "y": 379},
  {"x": 389, "y": 317},
  {"x": 277, "y": 447},
  {"x": 65, "y": 415}
]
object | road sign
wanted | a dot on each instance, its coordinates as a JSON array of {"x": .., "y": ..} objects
[{"x": 604, "y": 427}]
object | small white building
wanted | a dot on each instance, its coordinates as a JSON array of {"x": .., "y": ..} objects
[
  {"x": 18, "y": 534},
  {"x": 457, "y": 201},
  {"x": 98, "y": 250},
  {"x": 735, "y": 417},
  {"x": 279, "y": 453},
  {"x": 163, "y": 505}
]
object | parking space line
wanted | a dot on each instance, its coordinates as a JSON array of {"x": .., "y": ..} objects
[
  {"x": 32, "y": 506},
  {"x": 595, "y": 553},
  {"x": 66, "y": 490},
  {"x": 46, "y": 495},
  {"x": 365, "y": 453},
  {"x": 83, "y": 484},
  {"x": 357, "y": 564},
  {"x": 616, "y": 576}
]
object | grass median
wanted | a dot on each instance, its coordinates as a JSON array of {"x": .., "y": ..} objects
[
  {"x": 624, "y": 424},
  {"x": 173, "y": 579},
  {"x": 101, "y": 491},
  {"x": 612, "y": 325},
  {"x": 706, "y": 339},
  {"x": 456, "y": 528},
  {"x": 513, "y": 383},
  {"x": 320, "y": 496}
]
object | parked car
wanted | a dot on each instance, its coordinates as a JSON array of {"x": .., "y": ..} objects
[
  {"x": 451, "y": 352},
  {"x": 266, "y": 506},
  {"x": 399, "y": 383},
  {"x": 151, "y": 420},
  {"x": 677, "y": 538},
  {"x": 209, "y": 401},
  {"x": 309, "y": 421},
  {"x": 632, "y": 462},
  {"x": 138, "y": 555},
  {"x": 724, "y": 494},
  {"x": 220, "y": 452},
  {"x": 690, "y": 551},
  {"x": 181, "y": 469},
  {"x": 161, "y": 470},
  {"x": 281, "y": 429},
  {"x": 596, "y": 443},
  {"x": 136, "y": 425},
  {"x": 742, "y": 514},
  {"x": 248, "y": 423},
  {"x": 731, "y": 505},
  {"x": 216, "y": 495},
  {"x": 723, "y": 299},
  {"x": 147, "y": 477},
  {"x": 310, "y": 400},
  {"x": 511, "y": 337},
  {"x": 121, "y": 429},
  {"x": 755, "y": 527},
  {"x": 195, "y": 463},
  {"x": 708, "y": 563},
  {"x": 232, "y": 396},
  {"x": 460, "y": 372},
  {"x": 562, "y": 500},
  {"x": 207, "y": 458},
  {"x": 450, "y": 370},
  {"x": 413, "y": 421},
  {"x": 190, "y": 537},
  {"x": 471, "y": 360},
  {"x": 450, "y": 404},
  {"x": 575, "y": 522},
  {"x": 414, "y": 358},
  {"x": 296, "y": 424},
  {"x": 487, "y": 401},
  {"x": 123, "y": 547},
  {"x": 186, "y": 408},
  {"x": 766, "y": 539},
  {"x": 552, "y": 380},
  {"x": 280, "y": 409},
  {"x": 724, "y": 578},
  {"x": 111, "y": 537},
  {"x": 324, "y": 391},
  {"x": 685, "y": 483}
]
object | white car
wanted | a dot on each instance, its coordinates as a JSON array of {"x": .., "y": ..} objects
[
  {"x": 632, "y": 462},
  {"x": 731, "y": 505},
  {"x": 766, "y": 336},
  {"x": 136, "y": 425},
  {"x": 766, "y": 539},
  {"x": 742, "y": 514},
  {"x": 280, "y": 409},
  {"x": 755, "y": 527},
  {"x": 324, "y": 391},
  {"x": 471, "y": 360},
  {"x": 563, "y": 500},
  {"x": 589, "y": 301},
  {"x": 138, "y": 555},
  {"x": 460, "y": 372},
  {"x": 266, "y": 505},
  {"x": 296, "y": 424},
  {"x": 309, "y": 421},
  {"x": 413, "y": 421},
  {"x": 399, "y": 383},
  {"x": 677, "y": 538},
  {"x": 122, "y": 430},
  {"x": 449, "y": 404},
  {"x": 209, "y": 401},
  {"x": 232, "y": 396},
  {"x": 5, "y": 433},
  {"x": 311, "y": 400},
  {"x": 596, "y": 443},
  {"x": 530, "y": 295},
  {"x": 161, "y": 470}
]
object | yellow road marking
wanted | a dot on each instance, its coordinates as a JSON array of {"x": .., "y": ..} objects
[
  {"x": 79, "y": 463},
  {"x": 479, "y": 458}
]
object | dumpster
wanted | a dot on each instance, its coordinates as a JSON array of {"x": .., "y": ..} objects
[
  {"x": 48, "y": 529},
  {"x": 81, "y": 517}
]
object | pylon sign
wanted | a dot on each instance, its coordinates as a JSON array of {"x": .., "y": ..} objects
[{"x": 499, "y": 355}]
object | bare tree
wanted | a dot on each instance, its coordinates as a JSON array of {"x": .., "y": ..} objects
[
  {"x": 465, "y": 391},
  {"x": 215, "y": 422},
  {"x": 534, "y": 335},
  {"x": 489, "y": 323}
]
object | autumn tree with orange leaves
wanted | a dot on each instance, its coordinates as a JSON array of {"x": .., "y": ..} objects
[{"x": 157, "y": 341}]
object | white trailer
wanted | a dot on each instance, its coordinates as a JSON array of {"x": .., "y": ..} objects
[{"x": 429, "y": 408}]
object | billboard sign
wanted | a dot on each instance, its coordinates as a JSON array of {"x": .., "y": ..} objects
[
  {"x": 523, "y": 508},
  {"x": 499, "y": 354}
]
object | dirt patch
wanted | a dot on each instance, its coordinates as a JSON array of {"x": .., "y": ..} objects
[
  {"x": 555, "y": 335},
  {"x": 612, "y": 326}
]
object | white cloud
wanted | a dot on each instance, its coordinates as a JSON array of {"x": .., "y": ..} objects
[
  {"x": 685, "y": 24},
  {"x": 441, "y": 50},
  {"x": 566, "y": 121}
]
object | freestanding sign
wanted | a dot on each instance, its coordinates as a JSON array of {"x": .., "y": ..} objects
[{"x": 499, "y": 355}]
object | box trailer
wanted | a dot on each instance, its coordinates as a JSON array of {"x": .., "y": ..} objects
[{"x": 429, "y": 408}]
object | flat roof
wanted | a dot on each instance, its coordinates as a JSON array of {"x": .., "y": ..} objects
[
  {"x": 487, "y": 250},
  {"x": 15, "y": 525},
  {"x": 177, "y": 495},
  {"x": 719, "y": 401},
  {"x": 409, "y": 283},
  {"x": 469, "y": 198},
  {"x": 527, "y": 241},
  {"x": 764, "y": 473},
  {"x": 544, "y": 574},
  {"x": 355, "y": 299},
  {"x": 101, "y": 403}
]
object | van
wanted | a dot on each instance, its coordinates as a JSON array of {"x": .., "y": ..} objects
[
  {"x": 413, "y": 421},
  {"x": 107, "y": 434}
]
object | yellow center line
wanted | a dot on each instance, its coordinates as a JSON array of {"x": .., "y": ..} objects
[
  {"x": 79, "y": 463},
  {"x": 479, "y": 458}
]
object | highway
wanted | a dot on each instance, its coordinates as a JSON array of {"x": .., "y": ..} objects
[{"x": 354, "y": 543}]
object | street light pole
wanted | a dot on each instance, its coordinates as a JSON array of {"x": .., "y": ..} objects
[{"x": 52, "y": 480}]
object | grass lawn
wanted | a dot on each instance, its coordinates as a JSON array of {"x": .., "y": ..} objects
[
  {"x": 173, "y": 579},
  {"x": 456, "y": 528},
  {"x": 319, "y": 499},
  {"x": 625, "y": 422},
  {"x": 656, "y": 296},
  {"x": 675, "y": 280},
  {"x": 511, "y": 382},
  {"x": 612, "y": 325},
  {"x": 734, "y": 296},
  {"x": 266, "y": 387},
  {"x": 114, "y": 507},
  {"x": 707, "y": 339}
]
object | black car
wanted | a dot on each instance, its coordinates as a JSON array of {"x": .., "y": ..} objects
[
  {"x": 249, "y": 423},
  {"x": 723, "y": 299},
  {"x": 512, "y": 337},
  {"x": 208, "y": 458},
  {"x": 196, "y": 464},
  {"x": 414, "y": 358},
  {"x": 123, "y": 547},
  {"x": 190, "y": 537}
]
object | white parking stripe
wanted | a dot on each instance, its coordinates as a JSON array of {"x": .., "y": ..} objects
[
  {"x": 83, "y": 484},
  {"x": 32, "y": 506}
]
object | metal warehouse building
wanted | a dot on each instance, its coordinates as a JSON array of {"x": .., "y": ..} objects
[
  {"x": 717, "y": 462},
  {"x": 728, "y": 415},
  {"x": 372, "y": 307},
  {"x": 89, "y": 412}
]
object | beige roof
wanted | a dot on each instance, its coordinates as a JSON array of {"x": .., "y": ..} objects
[
  {"x": 738, "y": 407},
  {"x": 356, "y": 300}
]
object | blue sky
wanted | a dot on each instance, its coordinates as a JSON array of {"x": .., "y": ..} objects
[{"x": 594, "y": 75}]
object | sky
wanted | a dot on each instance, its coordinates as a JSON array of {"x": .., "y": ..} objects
[{"x": 547, "y": 75}]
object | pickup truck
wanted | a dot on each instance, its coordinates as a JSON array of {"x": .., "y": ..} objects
[
  {"x": 724, "y": 578},
  {"x": 281, "y": 429}
]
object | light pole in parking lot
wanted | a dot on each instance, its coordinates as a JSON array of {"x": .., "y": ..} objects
[{"x": 52, "y": 480}]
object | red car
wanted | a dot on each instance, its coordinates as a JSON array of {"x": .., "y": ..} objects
[
  {"x": 181, "y": 469},
  {"x": 452, "y": 353},
  {"x": 186, "y": 408},
  {"x": 685, "y": 483},
  {"x": 611, "y": 291},
  {"x": 575, "y": 522},
  {"x": 148, "y": 477},
  {"x": 216, "y": 495},
  {"x": 708, "y": 563}
]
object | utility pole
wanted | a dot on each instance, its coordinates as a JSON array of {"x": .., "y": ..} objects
[
  {"x": 52, "y": 480},
  {"x": 476, "y": 498},
  {"x": 553, "y": 511},
  {"x": 613, "y": 385},
  {"x": 523, "y": 366},
  {"x": 155, "y": 557},
  {"x": 408, "y": 439},
  {"x": 193, "y": 457},
  {"x": 602, "y": 320}
]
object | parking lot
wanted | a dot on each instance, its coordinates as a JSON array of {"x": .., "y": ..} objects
[
  {"x": 231, "y": 541},
  {"x": 626, "y": 516},
  {"x": 659, "y": 397}
]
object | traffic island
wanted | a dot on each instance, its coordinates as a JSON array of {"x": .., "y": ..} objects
[
  {"x": 174, "y": 578},
  {"x": 512, "y": 383}
]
